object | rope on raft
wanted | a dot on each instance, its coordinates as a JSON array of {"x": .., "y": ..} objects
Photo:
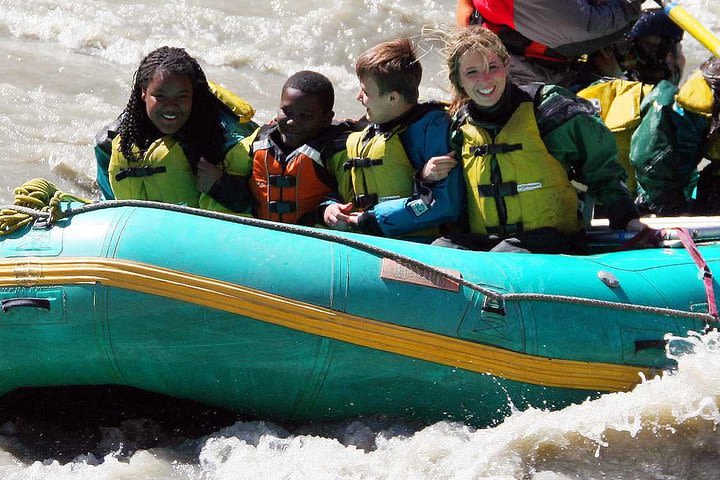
[
  {"x": 39, "y": 198},
  {"x": 36, "y": 198}
]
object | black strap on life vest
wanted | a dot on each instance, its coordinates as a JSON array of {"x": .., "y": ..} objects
[
  {"x": 498, "y": 190},
  {"x": 138, "y": 172},
  {"x": 361, "y": 162},
  {"x": 495, "y": 148}
]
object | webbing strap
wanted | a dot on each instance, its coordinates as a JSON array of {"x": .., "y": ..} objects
[
  {"x": 361, "y": 162},
  {"x": 138, "y": 172},
  {"x": 707, "y": 276}
]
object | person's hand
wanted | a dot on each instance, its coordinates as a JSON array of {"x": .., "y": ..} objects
[
  {"x": 645, "y": 235},
  {"x": 207, "y": 175},
  {"x": 636, "y": 225},
  {"x": 338, "y": 216},
  {"x": 438, "y": 168}
]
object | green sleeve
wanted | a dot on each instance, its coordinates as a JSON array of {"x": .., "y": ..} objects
[
  {"x": 665, "y": 150},
  {"x": 587, "y": 150}
]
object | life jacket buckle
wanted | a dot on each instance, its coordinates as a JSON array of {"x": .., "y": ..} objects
[
  {"x": 365, "y": 201},
  {"x": 494, "y": 148},
  {"x": 281, "y": 181},
  {"x": 281, "y": 207},
  {"x": 361, "y": 162},
  {"x": 498, "y": 190}
]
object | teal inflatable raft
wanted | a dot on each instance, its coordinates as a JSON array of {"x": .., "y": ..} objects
[{"x": 287, "y": 323}]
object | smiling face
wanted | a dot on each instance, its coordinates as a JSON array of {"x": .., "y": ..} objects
[
  {"x": 483, "y": 77},
  {"x": 168, "y": 101},
  {"x": 379, "y": 108},
  {"x": 302, "y": 116}
]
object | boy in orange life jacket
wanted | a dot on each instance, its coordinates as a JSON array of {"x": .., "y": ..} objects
[
  {"x": 377, "y": 181},
  {"x": 286, "y": 158}
]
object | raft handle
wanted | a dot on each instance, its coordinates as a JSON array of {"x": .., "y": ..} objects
[
  {"x": 494, "y": 305},
  {"x": 9, "y": 303},
  {"x": 646, "y": 344}
]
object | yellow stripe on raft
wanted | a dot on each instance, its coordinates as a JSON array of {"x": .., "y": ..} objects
[{"x": 321, "y": 321}]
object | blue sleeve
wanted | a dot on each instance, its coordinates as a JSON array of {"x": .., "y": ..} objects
[
  {"x": 102, "y": 159},
  {"x": 425, "y": 138},
  {"x": 103, "y": 151}
]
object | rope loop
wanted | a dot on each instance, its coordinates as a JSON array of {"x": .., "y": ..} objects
[{"x": 35, "y": 198}]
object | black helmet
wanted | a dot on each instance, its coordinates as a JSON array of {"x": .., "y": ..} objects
[
  {"x": 649, "y": 44},
  {"x": 655, "y": 21}
]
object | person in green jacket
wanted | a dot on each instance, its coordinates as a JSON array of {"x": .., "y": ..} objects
[
  {"x": 679, "y": 128},
  {"x": 651, "y": 52},
  {"x": 520, "y": 147}
]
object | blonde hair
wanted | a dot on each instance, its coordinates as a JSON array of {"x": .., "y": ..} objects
[{"x": 460, "y": 40}]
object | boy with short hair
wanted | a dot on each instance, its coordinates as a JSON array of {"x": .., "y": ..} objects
[
  {"x": 286, "y": 159},
  {"x": 377, "y": 181}
]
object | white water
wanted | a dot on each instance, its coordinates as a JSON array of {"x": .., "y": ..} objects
[
  {"x": 66, "y": 70},
  {"x": 663, "y": 429}
]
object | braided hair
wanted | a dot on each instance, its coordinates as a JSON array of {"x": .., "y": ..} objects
[{"x": 203, "y": 134}]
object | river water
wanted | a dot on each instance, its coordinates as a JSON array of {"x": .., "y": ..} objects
[{"x": 66, "y": 70}]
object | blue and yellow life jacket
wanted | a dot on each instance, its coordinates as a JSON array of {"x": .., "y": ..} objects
[{"x": 378, "y": 165}]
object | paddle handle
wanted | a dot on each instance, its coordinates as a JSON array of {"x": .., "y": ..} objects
[{"x": 690, "y": 24}]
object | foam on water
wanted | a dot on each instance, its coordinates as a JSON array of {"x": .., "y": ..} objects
[{"x": 664, "y": 428}]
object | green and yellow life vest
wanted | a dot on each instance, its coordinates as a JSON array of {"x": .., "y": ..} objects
[
  {"x": 618, "y": 104},
  {"x": 378, "y": 166},
  {"x": 513, "y": 183},
  {"x": 164, "y": 174}
]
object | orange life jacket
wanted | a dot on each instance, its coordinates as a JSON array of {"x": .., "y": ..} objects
[{"x": 288, "y": 188}]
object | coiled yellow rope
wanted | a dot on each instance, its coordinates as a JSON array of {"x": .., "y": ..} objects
[{"x": 37, "y": 194}]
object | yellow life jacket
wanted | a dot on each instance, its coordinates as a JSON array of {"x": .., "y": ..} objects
[
  {"x": 696, "y": 95},
  {"x": 239, "y": 107},
  {"x": 164, "y": 174},
  {"x": 618, "y": 104},
  {"x": 378, "y": 166},
  {"x": 513, "y": 183}
]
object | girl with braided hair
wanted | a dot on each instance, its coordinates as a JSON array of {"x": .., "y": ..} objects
[{"x": 176, "y": 134}]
